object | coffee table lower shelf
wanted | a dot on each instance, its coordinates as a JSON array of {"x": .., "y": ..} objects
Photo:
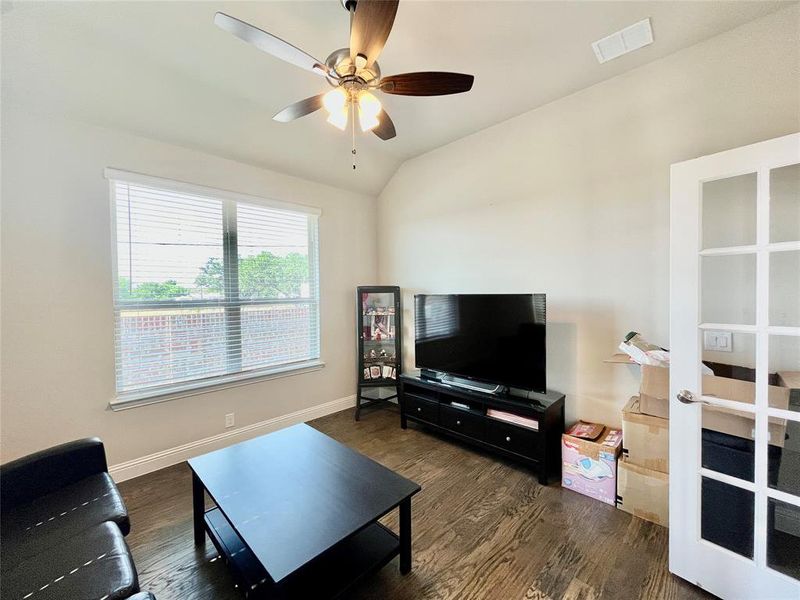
[{"x": 327, "y": 576}]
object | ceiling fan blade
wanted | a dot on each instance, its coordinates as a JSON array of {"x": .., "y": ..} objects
[
  {"x": 370, "y": 28},
  {"x": 269, "y": 43},
  {"x": 385, "y": 129},
  {"x": 430, "y": 83},
  {"x": 299, "y": 109}
]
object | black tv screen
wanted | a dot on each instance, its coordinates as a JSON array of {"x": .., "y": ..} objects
[{"x": 497, "y": 338}]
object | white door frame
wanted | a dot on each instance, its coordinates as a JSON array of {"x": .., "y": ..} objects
[{"x": 713, "y": 568}]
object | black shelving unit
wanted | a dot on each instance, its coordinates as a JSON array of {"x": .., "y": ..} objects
[{"x": 378, "y": 335}]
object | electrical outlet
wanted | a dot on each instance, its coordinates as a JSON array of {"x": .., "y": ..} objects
[
  {"x": 229, "y": 422},
  {"x": 718, "y": 341}
]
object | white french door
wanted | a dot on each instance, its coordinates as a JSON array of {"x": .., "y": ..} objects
[{"x": 735, "y": 300}]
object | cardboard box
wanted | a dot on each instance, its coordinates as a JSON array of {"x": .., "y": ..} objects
[
  {"x": 741, "y": 424},
  {"x": 620, "y": 358},
  {"x": 654, "y": 400},
  {"x": 643, "y": 493},
  {"x": 589, "y": 467},
  {"x": 645, "y": 438},
  {"x": 654, "y": 391},
  {"x": 738, "y": 423},
  {"x": 789, "y": 379}
]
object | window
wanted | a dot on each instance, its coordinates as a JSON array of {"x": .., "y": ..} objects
[{"x": 210, "y": 287}]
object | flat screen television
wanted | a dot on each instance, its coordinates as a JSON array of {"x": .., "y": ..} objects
[{"x": 494, "y": 338}]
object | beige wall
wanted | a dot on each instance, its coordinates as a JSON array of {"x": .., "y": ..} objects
[
  {"x": 57, "y": 319},
  {"x": 572, "y": 199}
]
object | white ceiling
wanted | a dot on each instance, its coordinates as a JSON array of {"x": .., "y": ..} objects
[{"x": 163, "y": 70}]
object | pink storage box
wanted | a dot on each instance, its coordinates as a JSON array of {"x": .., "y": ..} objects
[{"x": 589, "y": 467}]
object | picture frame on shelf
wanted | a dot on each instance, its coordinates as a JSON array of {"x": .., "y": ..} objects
[
  {"x": 375, "y": 372},
  {"x": 380, "y": 328},
  {"x": 366, "y": 374}
]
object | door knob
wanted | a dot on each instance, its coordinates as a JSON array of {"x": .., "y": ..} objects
[{"x": 687, "y": 397}]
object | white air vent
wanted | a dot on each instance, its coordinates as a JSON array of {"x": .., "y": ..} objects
[{"x": 626, "y": 40}]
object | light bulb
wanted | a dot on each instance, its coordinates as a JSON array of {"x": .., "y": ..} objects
[
  {"x": 335, "y": 100},
  {"x": 338, "y": 118},
  {"x": 366, "y": 121},
  {"x": 368, "y": 104}
]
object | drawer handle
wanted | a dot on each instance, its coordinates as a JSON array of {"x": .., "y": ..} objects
[
  {"x": 458, "y": 422},
  {"x": 508, "y": 438},
  {"x": 419, "y": 409}
]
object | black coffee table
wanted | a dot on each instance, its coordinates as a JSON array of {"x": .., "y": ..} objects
[{"x": 297, "y": 513}]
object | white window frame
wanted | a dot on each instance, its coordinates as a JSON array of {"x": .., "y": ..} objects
[{"x": 131, "y": 399}]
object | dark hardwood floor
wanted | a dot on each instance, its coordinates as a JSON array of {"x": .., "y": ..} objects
[{"x": 482, "y": 526}]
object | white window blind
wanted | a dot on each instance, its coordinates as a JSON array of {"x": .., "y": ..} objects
[{"x": 209, "y": 288}]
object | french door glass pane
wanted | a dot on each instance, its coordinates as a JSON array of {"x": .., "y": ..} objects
[
  {"x": 784, "y": 393},
  {"x": 784, "y": 463},
  {"x": 727, "y": 516},
  {"x": 783, "y": 537},
  {"x": 729, "y": 354},
  {"x": 728, "y": 289},
  {"x": 729, "y": 212},
  {"x": 784, "y": 372},
  {"x": 784, "y": 191},
  {"x": 727, "y": 445},
  {"x": 729, "y": 373},
  {"x": 784, "y": 288}
]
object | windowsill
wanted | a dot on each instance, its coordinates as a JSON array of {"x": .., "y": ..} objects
[{"x": 194, "y": 388}]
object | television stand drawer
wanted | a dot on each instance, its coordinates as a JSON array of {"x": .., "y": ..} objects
[
  {"x": 422, "y": 409},
  {"x": 512, "y": 438},
  {"x": 462, "y": 421}
]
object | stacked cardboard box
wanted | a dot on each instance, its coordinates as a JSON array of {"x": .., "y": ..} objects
[{"x": 643, "y": 481}]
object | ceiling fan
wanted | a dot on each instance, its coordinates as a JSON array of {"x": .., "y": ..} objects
[{"x": 353, "y": 72}]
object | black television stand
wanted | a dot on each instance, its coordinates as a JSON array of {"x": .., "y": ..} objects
[{"x": 462, "y": 413}]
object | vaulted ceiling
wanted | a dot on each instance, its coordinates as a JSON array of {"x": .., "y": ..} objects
[{"x": 163, "y": 70}]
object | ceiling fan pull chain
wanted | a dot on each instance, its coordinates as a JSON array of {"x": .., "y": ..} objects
[{"x": 353, "y": 130}]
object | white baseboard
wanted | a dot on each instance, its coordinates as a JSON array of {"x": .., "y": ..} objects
[{"x": 172, "y": 456}]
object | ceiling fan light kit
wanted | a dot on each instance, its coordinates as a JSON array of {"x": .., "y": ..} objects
[
  {"x": 353, "y": 72},
  {"x": 338, "y": 118}
]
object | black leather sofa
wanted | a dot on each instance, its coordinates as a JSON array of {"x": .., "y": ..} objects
[{"x": 62, "y": 528}]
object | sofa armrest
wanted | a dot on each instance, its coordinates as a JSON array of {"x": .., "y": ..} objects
[{"x": 46, "y": 471}]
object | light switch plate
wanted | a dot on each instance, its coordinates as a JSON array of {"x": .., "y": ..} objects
[{"x": 718, "y": 341}]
